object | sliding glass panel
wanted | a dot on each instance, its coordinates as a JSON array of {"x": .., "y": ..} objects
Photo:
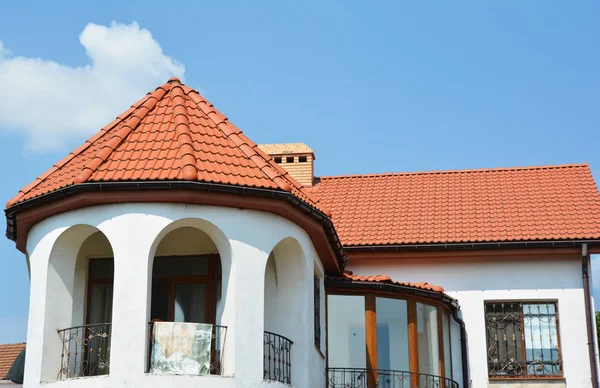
[
  {"x": 161, "y": 295},
  {"x": 346, "y": 338},
  {"x": 101, "y": 303},
  {"x": 392, "y": 334},
  {"x": 447, "y": 346},
  {"x": 429, "y": 347},
  {"x": 190, "y": 302}
]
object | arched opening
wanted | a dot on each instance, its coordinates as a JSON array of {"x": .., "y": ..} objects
[
  {"x": 186, "y": 304},
  {"x": 79, "y": 298},
  {"x": 286, "y": 315}
]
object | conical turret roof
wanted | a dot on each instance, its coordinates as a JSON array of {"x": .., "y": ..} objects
[{"x": 171, "y": 134}]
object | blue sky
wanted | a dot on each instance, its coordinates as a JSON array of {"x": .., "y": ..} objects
[{"x": 371, "y": 86}]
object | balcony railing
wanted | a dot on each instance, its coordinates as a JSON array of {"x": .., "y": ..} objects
[
  {"x": 218, "y": 337},
  {"x": 359, "y": 378},
  {"x": 85, "y": 351},
  {"x": 277, "y": 358}
]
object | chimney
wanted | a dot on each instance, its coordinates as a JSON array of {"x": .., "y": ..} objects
[{"x": 296, "y": 158}]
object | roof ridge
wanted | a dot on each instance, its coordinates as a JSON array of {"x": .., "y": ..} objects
[
  {"x": 127, "y": 127},
  {"x": 448, "y": 172},
  {"x": 79, "y": 150},
  {"x": 185, "y": 147}
]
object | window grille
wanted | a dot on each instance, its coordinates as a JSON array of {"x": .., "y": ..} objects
[
  {"x": 523, "y": 339},
  {"x": 317, "y": 312}
]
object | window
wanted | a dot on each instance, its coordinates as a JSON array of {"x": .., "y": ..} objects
[
  {"x": 346, "y": 344},
  {"x": 185, "y": 288},
  {"x": 289, "y": 159},
  {"x": 302, "y": 159},
  {"x": 317, "y": 312},
  {"x": 522, "y": 339},
  {"x": 100, "y": 291},
  {"x": 277, "y": 159}
]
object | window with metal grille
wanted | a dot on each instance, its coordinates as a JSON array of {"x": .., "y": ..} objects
[
  {"x": 317, "y": 312},
  {"x": 522, "y": 339}
]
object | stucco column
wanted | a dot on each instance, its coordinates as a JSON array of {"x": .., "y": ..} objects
[
  {"x": 131, "y": 237},
  {"x": 38, "y": 267},
  {"x": 248, "y": 271}
]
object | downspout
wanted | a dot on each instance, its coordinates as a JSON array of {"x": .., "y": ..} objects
[
  {"x": 589, "y": 313},
  {"x": 463, "y": 348}
]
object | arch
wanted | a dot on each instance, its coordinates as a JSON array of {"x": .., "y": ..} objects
[
  {"x": 67, "y": 303},
  {"x": 189, "y": 270},
  {"x": 286, "y": 312}
]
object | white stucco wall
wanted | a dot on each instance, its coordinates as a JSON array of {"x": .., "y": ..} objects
[
  {"x": 475, "y": 280},
  {"x": 244, "y": 240}
]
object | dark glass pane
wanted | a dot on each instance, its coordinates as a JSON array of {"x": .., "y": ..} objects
[
  {"x": 161, "y": 291},
  {"x": 180, "y": 266},
  {"x": 190, "y": 301},
  {"x": 102, "y": 269},
  {"x": 101, "y": 296}
]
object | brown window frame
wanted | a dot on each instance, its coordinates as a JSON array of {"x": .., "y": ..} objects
[
  {"x": 525, "y": 375},
  {"x": 211, "y": 279},
  {"x": 413, "y": 340}
]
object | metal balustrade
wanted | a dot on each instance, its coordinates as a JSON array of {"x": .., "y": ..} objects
[
  {"x": 277, "y": 358},
  {"x": 359, "y": 378},
  {"x": 85, "y": 351}
]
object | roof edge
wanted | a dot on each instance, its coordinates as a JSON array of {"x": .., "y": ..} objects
[{"x": 303, "y": 207}]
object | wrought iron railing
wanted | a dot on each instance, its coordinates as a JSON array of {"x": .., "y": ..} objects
[
  {"x": 219, "y": 335},
  {"x": 85, "y": 351},
  {"x": 277, "y": 358},
  {"x": 379, "y": 378}
]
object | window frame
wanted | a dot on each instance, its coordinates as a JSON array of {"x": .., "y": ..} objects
[
  {"x": 526, "y": 375},
  {"x": 210, "y": 280},
  {"x": 371, "y": 327}
]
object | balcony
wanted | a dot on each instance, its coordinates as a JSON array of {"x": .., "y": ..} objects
[
  {"x": 85, "y": 351},
  {"x": 378, "y": 378},
  {"x": 277, "y": 358}
]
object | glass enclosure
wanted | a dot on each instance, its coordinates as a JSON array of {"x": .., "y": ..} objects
[{"x": 407, "y": 341}]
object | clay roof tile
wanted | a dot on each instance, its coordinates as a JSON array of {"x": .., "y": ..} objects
[{"x": 162, "y": 137}]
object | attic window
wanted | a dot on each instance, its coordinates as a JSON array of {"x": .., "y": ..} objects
[
  {"x": 277, "y": 159},
  {"x": 289, "y": 159},
  {"x": 302, "y": 159}
]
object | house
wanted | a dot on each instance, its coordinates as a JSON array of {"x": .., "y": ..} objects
[
  {"x": 171, "y": 250},
  {"x": 9, "y": 354}
]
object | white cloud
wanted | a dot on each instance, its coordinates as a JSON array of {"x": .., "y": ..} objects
[{"x": 50, "y": 103}]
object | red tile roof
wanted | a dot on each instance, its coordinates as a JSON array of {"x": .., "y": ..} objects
[
  {"x": 348, "y": 275},
  {"x": 8, "y": 354},
  {"x": 492, "y": 205},
  {"x": 172, "y": 133}
]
